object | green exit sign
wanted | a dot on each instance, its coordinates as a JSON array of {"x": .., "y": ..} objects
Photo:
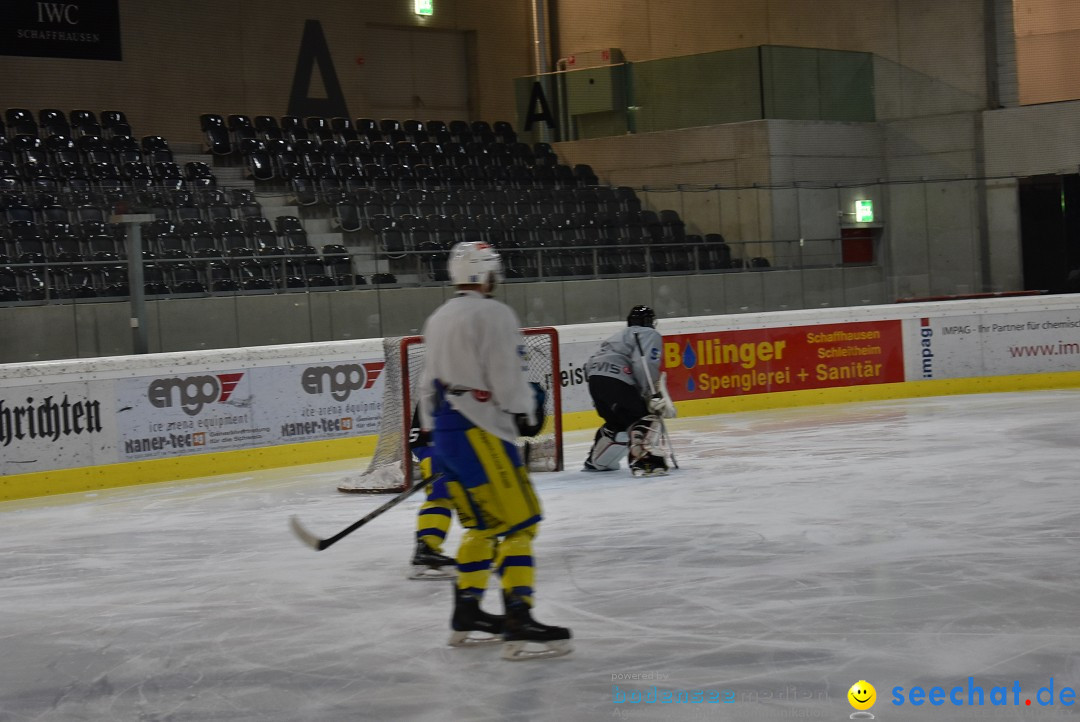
[
  {"x": 864, "y": 211},
  {"x": 424, "y": 7}
]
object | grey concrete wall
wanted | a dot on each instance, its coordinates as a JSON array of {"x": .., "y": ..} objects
[
  {"x": 931, "y": 56},
  {"x": 59, "y": 331},
  {"x": 1003, "y": 228},
  {"x": 1033, "y": 139},
  {"x": 935, "y": 243}
]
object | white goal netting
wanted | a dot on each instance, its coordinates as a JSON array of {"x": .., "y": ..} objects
[{"x": 391, "y": 464}]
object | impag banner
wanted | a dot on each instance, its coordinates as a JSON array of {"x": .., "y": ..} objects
[
  {"x": 1040, "y": 341},
  {"x": 768, "y": 360}
]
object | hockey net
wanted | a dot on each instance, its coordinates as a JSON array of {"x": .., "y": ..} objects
[{"x": 391, "y": 467}]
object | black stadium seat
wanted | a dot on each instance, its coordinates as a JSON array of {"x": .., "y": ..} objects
[
  {"x": 293, "y": 128},
  {"x": 94, "y": 149},
  {"x": 156, "y": 149},
  {"x": 54, "y": 122},
  {"x": 216, "y": 134},
  {"x": 259, "y": 161},
  {"x": 168, "y": 175},
  {"x": 84, "y": 122},
  {"x": 125, "y": 149},
  {"x": 267, "y": 128},
  {"x": 199, "y": 175},
  {"x": 343, "y": 129},
  {"x": 240, "y": 129},
  {"x": 115, "y": 123},
  {"x": 319, "y": 128},
  {"x": 29, "y": 149},
  {"x": 20, "y": 121}
]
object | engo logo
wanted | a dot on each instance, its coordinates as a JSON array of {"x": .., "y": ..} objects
[
  {"x": 341, "y": 380},
  {"x": 193, "y": 392}
]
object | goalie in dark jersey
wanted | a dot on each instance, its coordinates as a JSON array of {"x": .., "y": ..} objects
[{"x": 627, "y": 390}]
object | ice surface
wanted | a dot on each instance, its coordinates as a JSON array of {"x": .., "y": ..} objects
[{"x": 797, "y": 551}]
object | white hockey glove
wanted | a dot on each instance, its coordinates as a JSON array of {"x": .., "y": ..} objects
[
  {"x": 657, "y": 405},
  {"x": 667, "y": 410}
]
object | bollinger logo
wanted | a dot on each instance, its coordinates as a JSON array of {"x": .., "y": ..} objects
[
  {"x": 192, "y": 393},
  {"x": 341, "y": 380}
]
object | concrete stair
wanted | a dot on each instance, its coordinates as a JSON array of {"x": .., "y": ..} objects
[{"x": 318, "y": 221}]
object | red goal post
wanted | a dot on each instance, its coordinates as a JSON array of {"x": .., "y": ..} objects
[{"x": 391, "y": 464}]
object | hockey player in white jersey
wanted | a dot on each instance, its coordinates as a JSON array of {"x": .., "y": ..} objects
[
  {"x": 475, "y": 399},
  {"x": 625, "y": 384}
]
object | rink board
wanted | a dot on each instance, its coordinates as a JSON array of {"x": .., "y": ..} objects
[{"x": 88, "y": 424}]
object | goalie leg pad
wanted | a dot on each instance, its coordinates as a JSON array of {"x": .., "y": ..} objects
[
  {"x": 646, "y": 437},
  {"x": 647, "y": 448},
  {"x": 607, "y": 450}
]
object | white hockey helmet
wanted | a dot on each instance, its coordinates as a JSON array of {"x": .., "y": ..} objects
[{"x": 474, "y": 262}]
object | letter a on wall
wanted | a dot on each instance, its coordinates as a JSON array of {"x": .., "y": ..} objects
[
  {"x": 537, "y": 97},
  {"x": 313, "y": 49}
]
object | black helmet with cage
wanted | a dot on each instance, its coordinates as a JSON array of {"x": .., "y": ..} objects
[{"x": 641, "y": 316}]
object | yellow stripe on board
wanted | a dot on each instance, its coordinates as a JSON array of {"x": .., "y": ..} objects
[
  {"x": 95, "y": 478},
  {"x": 853, "y": 394}
]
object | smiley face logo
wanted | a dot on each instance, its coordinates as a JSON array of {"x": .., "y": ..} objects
[{"x": 862, "y": 695}]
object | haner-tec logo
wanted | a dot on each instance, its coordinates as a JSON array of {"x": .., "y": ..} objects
[
  {"x": 193, "y": 392},
  {"x": 341, "y": 380}
]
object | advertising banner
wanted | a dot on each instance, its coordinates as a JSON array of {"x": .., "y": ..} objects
[
  {"x": 55, "y": 426},
  {"x": 322, "y": 401},
  {"x": 163, "y": 416},
  {"x": 575, "y": 387},
  {"x": 244, "y": 408},
  {"x": 715, "y": 364},
  {"x": 95, "y": 412},
  {"x": 89, "y": 30},
  {"x": 999, "y": 344}
]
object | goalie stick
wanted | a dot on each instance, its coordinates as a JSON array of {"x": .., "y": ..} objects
[
  {"x": 319, "y": 544},
  {"x": 652, "y": 392}
]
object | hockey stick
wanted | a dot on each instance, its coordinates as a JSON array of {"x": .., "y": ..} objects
[
  {"x": 319, "y": 544},
  {"x": 652, "y": 392}
]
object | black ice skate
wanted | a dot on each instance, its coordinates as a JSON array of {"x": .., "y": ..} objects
[
  {"x": 430, "y": 564},
  {"x": 526, "y": 638},
  {"x": 472, "y": 625},
  {"x": 648, "y": 465}
]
